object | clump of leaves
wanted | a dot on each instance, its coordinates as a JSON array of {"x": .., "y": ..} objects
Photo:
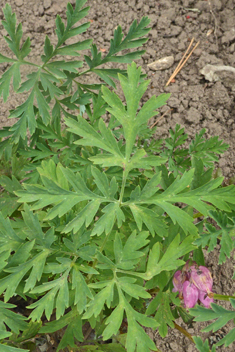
[{"x": 91, "y": 227}]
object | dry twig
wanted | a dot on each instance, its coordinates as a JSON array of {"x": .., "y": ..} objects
[
  {"x": 160, "y": 117},
  {"x": 182, "y": 61},
  {"x": 88, "y": 332},
  {"x": 215, "y": 21}
]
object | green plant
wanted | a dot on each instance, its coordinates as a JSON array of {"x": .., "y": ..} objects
[{"x": 96, "y": 216}]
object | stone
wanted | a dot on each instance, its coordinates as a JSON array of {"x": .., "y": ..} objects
[
  {"x": 226, "y": 74},
  {"x": 162, "y": 64}
]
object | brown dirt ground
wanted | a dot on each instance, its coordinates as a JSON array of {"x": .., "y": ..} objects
[{"x": 195, "y": 102}]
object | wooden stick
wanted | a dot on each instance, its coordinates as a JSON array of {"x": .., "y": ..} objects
[
  {"x": 182, "y": 63},
  {"x": 186, "y": 52},
  {"x": 188, "y": 56},
  {"x": 87, "y": 334}
]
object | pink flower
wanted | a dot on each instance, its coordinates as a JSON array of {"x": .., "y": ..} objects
[
  {"x": 193, "y": 284},
  {"x": 190, "y": 294},
  {"x": 177, "y": 282},
  {"x": 201, "y": 277},
  {"x": 205, "y": 299}
]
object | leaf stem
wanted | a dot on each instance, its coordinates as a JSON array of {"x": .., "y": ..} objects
[
  {"x": 124, "y": 177},
  {"x": 96, "y": 260},
  {"x": 133, "y": 273},
  {"x": 222, "y": 297},
  {"x": 29, "y": 63},
  {"x": 183, "y": 331},
  {"x": 84, "y": 72}
]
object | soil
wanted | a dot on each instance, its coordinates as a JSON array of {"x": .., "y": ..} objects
[{"x": 195, "y": 102}]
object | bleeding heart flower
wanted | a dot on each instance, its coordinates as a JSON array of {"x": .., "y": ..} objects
[
  {"x": 193, "y": 283},
  {"x": 190, "y": 294},
  {"x": 177, "y": 282},
  {"x": 202, "y": 279},
  {"x": 188, "y": 265},
  {"x": 205, "y": 299}
]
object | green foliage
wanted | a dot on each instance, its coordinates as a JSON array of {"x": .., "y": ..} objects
[
  {"x": 181, "y": 159},
  {"x": 223, "y": 231},
  {"x": 96, "y": 216},
  {"x": 111, "y": 347},
  {"x": 161, "y": 306},
  {"x": 13, "y": 321},
  {"x": 47, "y": 83},
  {"x": 222, "y": 316},
  {"x": 5, "y": 348},
  {"x": 203, "y": 347}
]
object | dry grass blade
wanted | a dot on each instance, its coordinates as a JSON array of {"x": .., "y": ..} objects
[
  {"x": 186, "y": 52},
  {"x": 165, "y": 113},
  {"x": 182, "y": 61}
]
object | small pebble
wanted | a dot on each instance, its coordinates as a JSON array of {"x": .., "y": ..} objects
[{"x": 162, "y": 64}]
